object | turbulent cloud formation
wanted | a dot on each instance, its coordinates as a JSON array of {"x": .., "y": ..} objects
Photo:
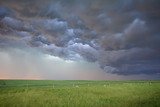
[{"x": 121, "y": 36}]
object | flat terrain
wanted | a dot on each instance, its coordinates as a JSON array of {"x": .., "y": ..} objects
[{"x": 48, "y": 93}]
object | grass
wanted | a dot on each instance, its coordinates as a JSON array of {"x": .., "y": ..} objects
[{"x": 48, "y": 93}]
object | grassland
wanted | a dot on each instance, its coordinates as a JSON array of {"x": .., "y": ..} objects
[{"x": 48, "y": 93}]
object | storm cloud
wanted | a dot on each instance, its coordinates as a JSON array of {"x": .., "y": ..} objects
[{"x": 121, "y": 36}]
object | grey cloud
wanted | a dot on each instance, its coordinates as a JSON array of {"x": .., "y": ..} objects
[
  {"x": 121, "y": 36},
  {"x": 111, "y": 69},
  {"x": 136, "y": 32},
  {"x": 143, "y": 68},
  {"x": 73, "y": 51},
  {"x": 11, "y": 42},
  {"x": 50, "y": 24},
  {"x": 85, "y": 51},
  {"x": 55, "y": 24},
  {"x": 4, "y": 11},
  {"x": 112, "y": 41},
  {"x": 76, "y": 22},
  {"x": 51, "y": 10},
  {"x": 23, "y": 34},
  {"x": 13, "y": 23},
  {"x": 55, "y": 51},
  {"x": 123, "y": 61},
  {"x": 39, "y": 40}
]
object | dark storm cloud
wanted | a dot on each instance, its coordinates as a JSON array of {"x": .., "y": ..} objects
[
  {"x": 4, "y": 11},
  {"x": 13, "y": 23},
  {"x": 123, "y": 61},
  {"x": 121, "y": 35}
]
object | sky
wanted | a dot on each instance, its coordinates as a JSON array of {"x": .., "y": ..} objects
[{"x": 80, "y": 39}]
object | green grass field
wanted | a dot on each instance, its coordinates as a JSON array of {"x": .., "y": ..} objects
[{"x": 48, "y": 93}]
